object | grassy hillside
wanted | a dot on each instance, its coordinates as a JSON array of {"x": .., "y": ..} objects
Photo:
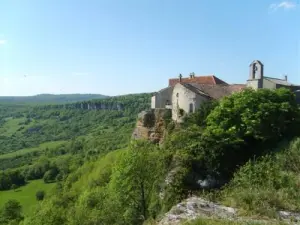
[
  {"x": 50, "y": 98},
  {"x": 26, "y": 195}
]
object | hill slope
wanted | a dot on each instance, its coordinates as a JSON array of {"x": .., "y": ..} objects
[{"x": 50, "y": 98}]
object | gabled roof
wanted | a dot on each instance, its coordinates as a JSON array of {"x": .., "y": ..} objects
[
  {"x": 211, "y": 79},
  {"x": 194, "y": 88},
  {"x": 214, "y": 91},
  {"x": 278, "y": 81}
]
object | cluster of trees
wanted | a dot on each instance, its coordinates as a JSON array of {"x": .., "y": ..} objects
[
  {"x": 11, "y": 213},
  {"x": 11, "y": 179}
]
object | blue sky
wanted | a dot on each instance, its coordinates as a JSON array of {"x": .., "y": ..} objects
[{"x": 116, "y": 47}]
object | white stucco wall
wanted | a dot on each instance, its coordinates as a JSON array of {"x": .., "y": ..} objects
[
  {"x": 182, "y": 98},
  {"x": 252, "y": 84},
  {"x": 160, "y": 98}
]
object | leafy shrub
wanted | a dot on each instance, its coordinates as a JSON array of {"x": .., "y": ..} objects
[
  {"x": 268, "y": 184},
  {"x": 40, "y": 195}
]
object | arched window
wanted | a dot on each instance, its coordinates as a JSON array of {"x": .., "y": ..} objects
[{"x": 191, "y": 107}]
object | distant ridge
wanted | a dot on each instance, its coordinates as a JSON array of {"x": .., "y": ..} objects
[{"x": 51, "y": 98}]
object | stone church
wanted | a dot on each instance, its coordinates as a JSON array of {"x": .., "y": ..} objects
[{"x": 185, "y": 95}]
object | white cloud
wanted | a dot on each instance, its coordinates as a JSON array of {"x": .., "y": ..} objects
[
  {"x": 283, "y": 5},
  {"x": 2, "y": 41}
]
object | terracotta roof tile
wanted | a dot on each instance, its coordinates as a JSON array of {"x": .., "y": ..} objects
[{"x": 212, "y": 80}]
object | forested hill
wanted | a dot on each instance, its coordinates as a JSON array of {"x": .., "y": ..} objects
[
  {"x": 50, "y": 98},
  {"x": 26, "y": 126},
  {"x": 133, "y": 103}
]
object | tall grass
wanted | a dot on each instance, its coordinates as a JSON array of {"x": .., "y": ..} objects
[{"x": 267, "y": 185}]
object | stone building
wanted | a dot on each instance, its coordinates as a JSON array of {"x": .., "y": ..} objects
[
  {"x": 258, "y": 80},
  {"x": 185, "y": 95},
  {"x": 163, "y": 98}
]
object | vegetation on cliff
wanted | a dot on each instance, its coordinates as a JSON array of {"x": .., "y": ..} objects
[{"x": 239, "y": 150}]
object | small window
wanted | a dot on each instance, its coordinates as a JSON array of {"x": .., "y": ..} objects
[
  {"x": 177, "y": 95},
  {"x": 191, "y": 107}
]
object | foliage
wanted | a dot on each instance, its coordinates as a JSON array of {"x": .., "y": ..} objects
[
  {"x": 40, "y": 195},
  {"x": 25, "y": 126},
  {"x": 98, "y": 184},
  {"x": 268, "y": 184},
  {"x": 121, "y": 188},
  {"x": 26, "y": 195},
  {"x": 135, "y": 181},
  {"x": 11, "y": 179},
  {"x": 245, "y": 125},
  {"x": 201, "y": 114},
  {"x": 240, "y": 127},
  {"x": 11, "y": 212}
]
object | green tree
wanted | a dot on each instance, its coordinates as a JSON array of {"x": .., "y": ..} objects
[
  {"x": 40, "y": 195},
  {"x": 12, "y": 211},
  {"x": 136, "y": 180},
  {"x": 245, "y": 125}
]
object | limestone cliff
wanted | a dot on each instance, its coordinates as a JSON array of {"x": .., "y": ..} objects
[{"x": 151, "y": 125}]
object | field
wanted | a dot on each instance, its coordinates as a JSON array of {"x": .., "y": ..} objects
[
  {"x": 25, "y": 195},
  {"x": 11, "y": 126},
  {"x": 24, "y": 151}
]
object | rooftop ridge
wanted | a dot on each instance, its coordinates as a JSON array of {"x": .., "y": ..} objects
[{"x": 274, "y": 78}]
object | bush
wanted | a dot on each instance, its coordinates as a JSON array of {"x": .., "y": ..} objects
[
  {"x": 40, "y": 195},
  {"x": 246, "y": 125},
  {"x": 267, "y": 185}
]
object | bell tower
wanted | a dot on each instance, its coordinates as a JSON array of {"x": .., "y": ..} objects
[{"x": 256, "y": 75}]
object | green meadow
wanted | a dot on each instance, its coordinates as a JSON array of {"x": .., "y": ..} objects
[{"x": 26, "y": 195}]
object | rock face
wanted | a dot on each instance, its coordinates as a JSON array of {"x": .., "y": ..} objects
[
  {"x": 151, "y": 125},
  {"x": 195, "y": 207}
]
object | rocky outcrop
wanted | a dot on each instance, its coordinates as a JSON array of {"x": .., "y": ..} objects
[
  {"x": 195, "y": 207},
  {"x": 151, "y": 125}
]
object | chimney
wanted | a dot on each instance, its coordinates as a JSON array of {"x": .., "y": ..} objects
[
  {"x": 192, "y": 75},
  {"x": 285, "y": 77},
  {"x": 180, "y": 77}
]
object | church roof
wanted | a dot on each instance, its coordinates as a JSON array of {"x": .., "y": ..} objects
[
  {"x": 211, "y": 80},
  {"x": 278, "y": 81},
  {"x": 214, "y": 91}
]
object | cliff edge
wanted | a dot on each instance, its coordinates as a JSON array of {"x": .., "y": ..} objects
[{"x": 151, "y": 125}]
